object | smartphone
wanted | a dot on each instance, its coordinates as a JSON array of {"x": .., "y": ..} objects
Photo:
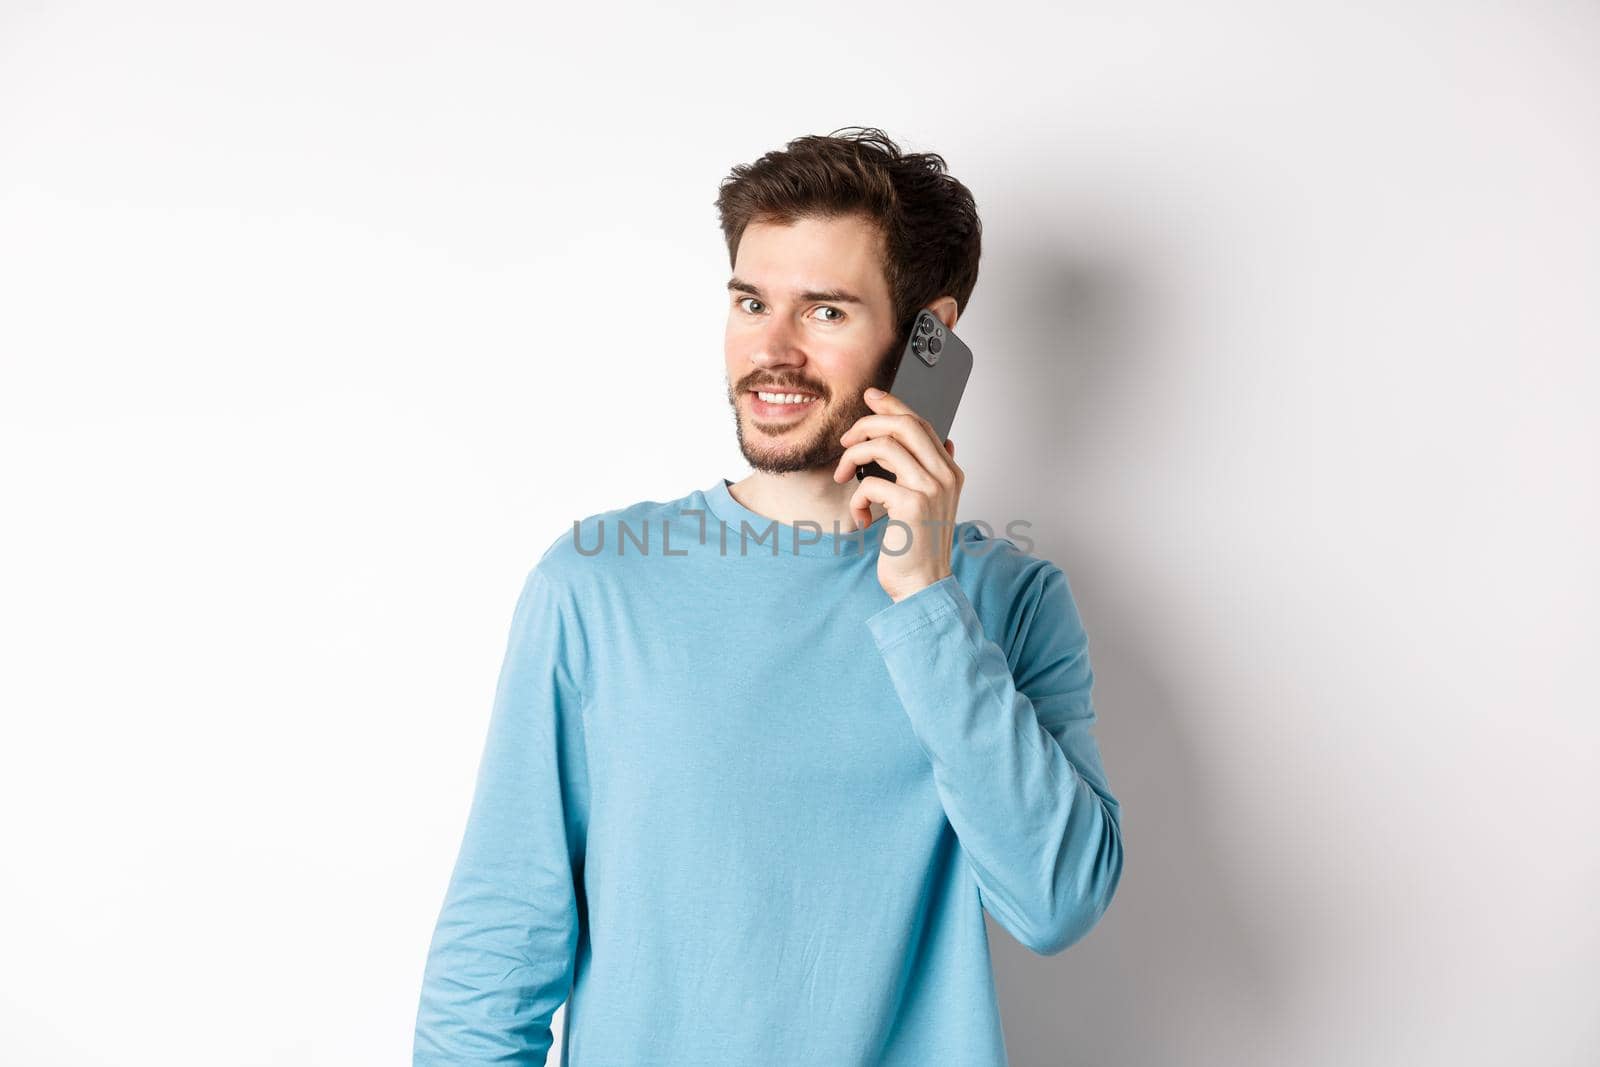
[{"x": 930, "y": 375}]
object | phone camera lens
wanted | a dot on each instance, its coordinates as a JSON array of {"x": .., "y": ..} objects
[
  {"x": 934, "y": 345},
  {"x": 917, "y": 345},
  {"x": 924, "y": 325}
]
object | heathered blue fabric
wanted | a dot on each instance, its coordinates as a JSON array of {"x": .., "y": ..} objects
[{"x": 737, "y": 807}]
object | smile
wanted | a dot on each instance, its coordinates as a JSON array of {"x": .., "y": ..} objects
[{"x": 775, "y": 405}]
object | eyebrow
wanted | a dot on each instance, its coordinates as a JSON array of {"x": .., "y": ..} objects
[{"x": 829, "y": 296}]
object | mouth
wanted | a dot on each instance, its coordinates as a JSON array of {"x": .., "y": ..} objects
[{"x": 780, "y": 406}]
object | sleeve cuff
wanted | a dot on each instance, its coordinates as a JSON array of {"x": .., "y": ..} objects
[{"x": 923, "y": 608}]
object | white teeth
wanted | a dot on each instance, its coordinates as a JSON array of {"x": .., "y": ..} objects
[{"x": 785, "y": 398}]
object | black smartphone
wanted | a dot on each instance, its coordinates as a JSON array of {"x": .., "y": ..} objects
[{"x": 930, "y": 374}]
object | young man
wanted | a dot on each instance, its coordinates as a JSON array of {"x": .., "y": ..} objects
[{"x": 751, "y": 782}]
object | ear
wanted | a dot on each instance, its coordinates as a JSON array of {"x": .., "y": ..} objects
[{"x": 945, "y": 310}]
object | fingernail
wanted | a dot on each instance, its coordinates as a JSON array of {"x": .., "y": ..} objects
[{"x": 874, "y": 393}]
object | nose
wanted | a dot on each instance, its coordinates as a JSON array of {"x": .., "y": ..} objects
[{"x": 776, "y": 346}]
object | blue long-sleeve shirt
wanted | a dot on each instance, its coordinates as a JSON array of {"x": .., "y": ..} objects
[{"x": 736, "y": 806}]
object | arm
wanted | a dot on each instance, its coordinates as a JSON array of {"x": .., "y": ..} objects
[
  {"x": 502, "y": 955},
  {"x": 1015, "y": 764}
]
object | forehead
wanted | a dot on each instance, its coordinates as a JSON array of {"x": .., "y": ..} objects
[{"x": 844, "y": 252}]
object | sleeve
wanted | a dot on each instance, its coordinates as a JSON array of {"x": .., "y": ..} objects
[
  {"x": 1014, "y": 760},
  {"x": 503, "y": 951}
]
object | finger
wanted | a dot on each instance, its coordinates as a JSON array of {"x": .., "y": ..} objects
[
  {"x": 889, "y": 404},
  {"x": 914, "y": 433},
  {"x": 893, "y": 457},
  {"x": 875, "y": 490}
]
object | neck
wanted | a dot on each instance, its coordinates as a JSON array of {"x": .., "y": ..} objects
[{"x": 801, "y": 496}]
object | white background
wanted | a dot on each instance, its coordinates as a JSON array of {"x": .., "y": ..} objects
[{"x": 320, "y": 321}]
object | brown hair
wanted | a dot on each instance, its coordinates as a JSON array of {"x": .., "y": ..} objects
[{"x": 929, "y": 221}]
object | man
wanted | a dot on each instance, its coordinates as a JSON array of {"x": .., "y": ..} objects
[{"x": 754, "y": 774}]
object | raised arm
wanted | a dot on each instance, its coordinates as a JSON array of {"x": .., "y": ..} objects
[{"x": 1014, "y": 760}]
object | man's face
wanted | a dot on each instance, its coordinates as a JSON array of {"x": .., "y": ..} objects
[{"x": 809, "y": 312}]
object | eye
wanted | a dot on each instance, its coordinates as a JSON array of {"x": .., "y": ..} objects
[
  {"x": 827, "y": 307},
  {"x": 740, "y": 302}
]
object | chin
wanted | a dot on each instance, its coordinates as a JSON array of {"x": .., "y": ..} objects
[
  {"x": 805, "y": 446},
  {"x": 787, "y": 460},
  {"x": 770, "y": 463}
]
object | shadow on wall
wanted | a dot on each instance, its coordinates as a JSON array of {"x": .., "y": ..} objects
[{"x": 1174, "y": 969}]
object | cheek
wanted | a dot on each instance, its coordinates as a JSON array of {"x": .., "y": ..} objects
[
  {"x": 736, "y": 354},
  {"x": 845, "y": 363},
  {"x": 738, "y": 342}
]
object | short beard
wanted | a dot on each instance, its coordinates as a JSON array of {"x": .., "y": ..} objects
[{"x": 822, "y": 451}]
